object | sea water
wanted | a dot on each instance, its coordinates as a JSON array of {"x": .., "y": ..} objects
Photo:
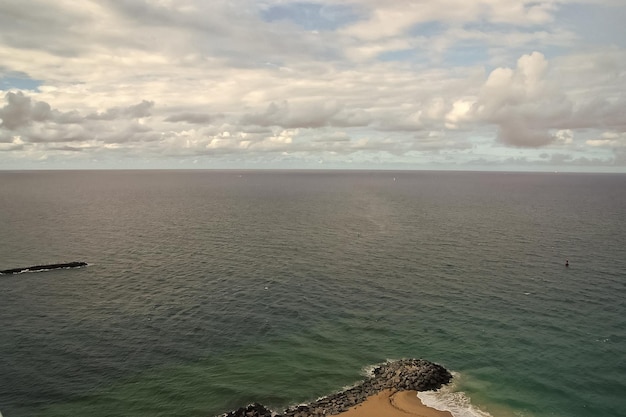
[{"x": 207, "y": 290}]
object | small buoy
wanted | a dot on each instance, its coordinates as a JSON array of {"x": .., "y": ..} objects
[{"x": 566, "y": 262}]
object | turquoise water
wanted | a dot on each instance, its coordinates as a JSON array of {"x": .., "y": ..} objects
[{"x": 209, "y": 290}]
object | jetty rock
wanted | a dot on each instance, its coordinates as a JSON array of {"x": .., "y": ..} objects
[
  {"x": 410, "y": 374},
  {"x": 47, "y": 267},
  {"x": 400, "y": 375},
  {"x": 252, "y": 410}
]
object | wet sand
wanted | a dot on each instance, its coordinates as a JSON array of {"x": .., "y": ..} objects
[{"x": 390, "y": 403}]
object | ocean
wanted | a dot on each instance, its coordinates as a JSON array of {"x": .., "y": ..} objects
[{"x": 208, "y": 290}]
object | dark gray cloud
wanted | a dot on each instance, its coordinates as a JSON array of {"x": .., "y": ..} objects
[
  {"x": 516, "y": 133},
  {"x": 36, "y": 122},
  {"x": 55, "y": 133},
  {"x": 66, "y": 148},
  {"x": 528, "y": 104},
  {"x": 208, "y": 26},
  {"x": 131, "y": 112},
  {"x": 20, "y": 110},
  {"x": 129, "y": 134},
  {"x": 32, "y": 24}
]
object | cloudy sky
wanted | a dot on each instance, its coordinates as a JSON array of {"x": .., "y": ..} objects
[{"x": 421, "y": 84}]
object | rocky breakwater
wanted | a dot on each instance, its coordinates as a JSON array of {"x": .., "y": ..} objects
[
  {"x": 48, "y": 267},
  {"x": 401, "y": 375}
]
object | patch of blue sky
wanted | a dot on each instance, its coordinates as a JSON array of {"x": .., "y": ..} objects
[
  {"x": 496, "y": 28},
  {"x": 595, "y": 24},
  {"x": 312, "y": 16},
  {"x": 399, "y": 55},
  {"x": 550, "y": 51},
  {"x": 428, "y": 29},
  {"x": 19, "y": 82},
  {"x": 465, "y": 55}
]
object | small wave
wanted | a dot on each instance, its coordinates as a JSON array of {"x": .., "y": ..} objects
[
  {"x": 456, "y": 402},
  {"x": 368, "y": 370}
]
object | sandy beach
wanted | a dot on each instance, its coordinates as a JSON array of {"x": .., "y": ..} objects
[{"x": 390, "y": 403}]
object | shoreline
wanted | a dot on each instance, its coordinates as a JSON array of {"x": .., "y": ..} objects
[
  {"x": 391, "y": 403},
  {"x": 391, "y": 388}
]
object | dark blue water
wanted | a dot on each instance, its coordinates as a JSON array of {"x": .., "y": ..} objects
[{"x": 207, "y": 290}]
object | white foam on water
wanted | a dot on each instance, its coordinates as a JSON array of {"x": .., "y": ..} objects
[
  {"x": 369, "y": 370},
  {"x": 456, "y": 402}
]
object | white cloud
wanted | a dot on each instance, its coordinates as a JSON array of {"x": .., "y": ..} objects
[
  {"x": 460, "y": 111},
  {"x": 530, "y": 101},
  {"x": 564, "y": 137},
  {"x": 168, "y": 79},
  {"x": 609, "y": 139},
  {"x": 190, "y": 117},
  {"x": 390, "y": 19}
]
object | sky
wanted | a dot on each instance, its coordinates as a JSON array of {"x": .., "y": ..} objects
[{"x": 504, "y": 85}]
